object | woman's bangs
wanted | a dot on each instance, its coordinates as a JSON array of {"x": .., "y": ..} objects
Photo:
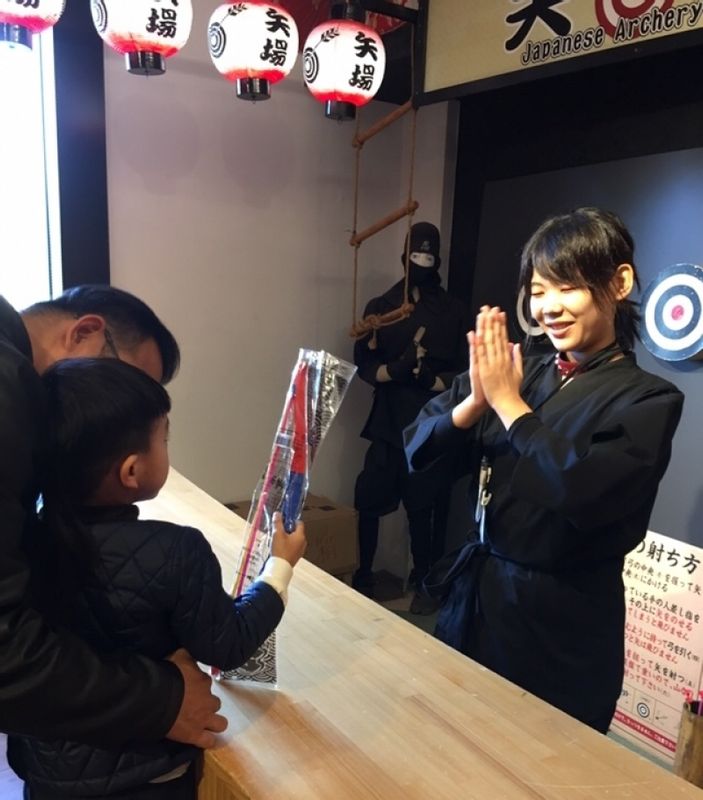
[{"x": 556, "y": 262}]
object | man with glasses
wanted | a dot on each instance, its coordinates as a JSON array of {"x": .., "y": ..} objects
[{"x": 51, "y": 684}]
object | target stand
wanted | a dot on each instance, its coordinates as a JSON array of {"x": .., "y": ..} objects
[{"x": 672, "y": 326}]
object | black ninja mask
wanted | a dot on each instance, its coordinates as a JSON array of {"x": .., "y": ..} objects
[{"x": 423, "y": 255}]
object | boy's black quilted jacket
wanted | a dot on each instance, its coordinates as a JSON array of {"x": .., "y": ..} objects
[{"x": 155, "y": 587}]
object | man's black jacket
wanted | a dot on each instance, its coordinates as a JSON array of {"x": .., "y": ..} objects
[{"x": 52, "y": 684}]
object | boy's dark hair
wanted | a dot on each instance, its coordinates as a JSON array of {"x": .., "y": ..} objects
[
  {"x": 129, "y": 319},
  {"x": 584, "y": 248},
  {"x": 100, "y": 410}
]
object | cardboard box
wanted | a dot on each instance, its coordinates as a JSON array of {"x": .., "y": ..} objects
[{"x": 331, "y": 530}]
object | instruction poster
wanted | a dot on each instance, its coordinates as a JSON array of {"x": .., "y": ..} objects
[{"x": 663, "y": 641}]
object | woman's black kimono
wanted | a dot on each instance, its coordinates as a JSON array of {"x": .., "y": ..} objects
[{"x": 541, "y": 602}]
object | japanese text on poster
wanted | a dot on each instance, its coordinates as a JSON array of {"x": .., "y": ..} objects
[{"x": 663, "y": 641}]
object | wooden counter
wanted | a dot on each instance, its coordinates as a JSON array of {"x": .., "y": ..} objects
[{"x": 369, "y": 706}]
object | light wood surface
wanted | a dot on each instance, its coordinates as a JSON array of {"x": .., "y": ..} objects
[
  {"x": 369, "y": 706},
  {"x": 689, "y": 748}
]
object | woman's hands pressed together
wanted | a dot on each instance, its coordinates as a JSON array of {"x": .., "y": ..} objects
[{"x": 495, "y": 371}]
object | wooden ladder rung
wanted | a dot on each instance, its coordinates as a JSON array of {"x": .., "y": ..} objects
[
  {"x": 389, "y": 219},
  {"x": 384, "y": 122}
]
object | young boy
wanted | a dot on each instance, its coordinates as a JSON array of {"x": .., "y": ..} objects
[{"x": 128, "y": 585}]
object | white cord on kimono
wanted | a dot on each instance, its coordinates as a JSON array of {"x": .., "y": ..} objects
[{"x": 484, "y": 497}]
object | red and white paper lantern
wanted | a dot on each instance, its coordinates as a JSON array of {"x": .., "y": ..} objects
[
  {"x": 146, "y": 31},
  {"x": 343, "y": 65},
  {"x": 19, "y": 19},
  {"x": 253, "y": 43}
]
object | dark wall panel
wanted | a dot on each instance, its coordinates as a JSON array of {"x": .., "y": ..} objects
[
  {"x": 625, "y": 110},
  {"x": 80, "y": 111}
]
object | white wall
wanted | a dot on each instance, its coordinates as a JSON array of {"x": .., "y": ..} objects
[{"x": 232, "y": 219}]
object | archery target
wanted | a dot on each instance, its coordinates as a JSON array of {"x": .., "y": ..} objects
[
  {"x": 529, "y": 326},
  {"x": 671, "y": 306},
  {"x": 610, "y": 12}
]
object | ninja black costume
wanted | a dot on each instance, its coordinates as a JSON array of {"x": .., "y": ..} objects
[
  {"x": 428, "y": 345},
  {"x": 572, "y": 486}
]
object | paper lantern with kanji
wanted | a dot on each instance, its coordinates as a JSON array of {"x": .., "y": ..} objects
[
  {"x": 146, "y": 31},
  {"x": 343, "y": 65},
  {"x": 20, "y": 19},
  {"x": 253, "y": 43}
]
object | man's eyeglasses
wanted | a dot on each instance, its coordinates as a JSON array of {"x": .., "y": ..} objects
[{"x": 110, "y": 344}]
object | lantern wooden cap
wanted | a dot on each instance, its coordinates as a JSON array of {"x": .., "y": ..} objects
[{"x": 15, "y": 34}]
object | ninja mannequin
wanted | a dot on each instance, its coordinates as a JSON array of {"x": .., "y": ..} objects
[{"x": 407, "y": 363}]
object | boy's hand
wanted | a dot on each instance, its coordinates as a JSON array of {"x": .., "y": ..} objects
[{"x": 290, "y": 546}]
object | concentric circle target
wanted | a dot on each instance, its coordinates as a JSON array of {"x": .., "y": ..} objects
[
  {"x": 217, "y": 39},
  {"x": 529, "y": 326},
  {"x": 610, "y": 12},
  {"x": 311, "y": 65},
  {"x": 99, "y": 13},
  {"x": 671, "y": 309}
]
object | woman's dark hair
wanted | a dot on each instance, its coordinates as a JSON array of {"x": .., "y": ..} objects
[
  {"x": 100, "y": 410},
  {"x": 129, "y": 319},
  {"x": 584, "y": 248}
]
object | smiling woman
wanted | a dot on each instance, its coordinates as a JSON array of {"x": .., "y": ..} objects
[
  {"x": 578, "y": 272},
  {"x": 29, "y": 206},
  {"x": 565, "y": 467}
]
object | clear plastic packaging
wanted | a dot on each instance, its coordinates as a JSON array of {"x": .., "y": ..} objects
[{"x": 319, "y": 382}]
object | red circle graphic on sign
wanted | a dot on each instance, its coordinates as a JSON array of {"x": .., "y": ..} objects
[{"x": 610, "y": 12}]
